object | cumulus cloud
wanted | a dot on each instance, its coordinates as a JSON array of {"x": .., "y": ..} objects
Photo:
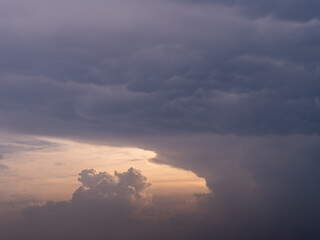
[
  {"x": 103, "y": 206},
  {"x": 128, "y": 186},
  {"x": 182, "y": 79}
]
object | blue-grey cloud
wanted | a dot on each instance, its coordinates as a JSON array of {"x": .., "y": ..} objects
[
  {"x": 181, "y": 79},
  {"x": 293, "y": 10},
  {"x": 262, "y": 187},
  {"x": 9, "y": 145},
  {"x": 188, "y": 68}
]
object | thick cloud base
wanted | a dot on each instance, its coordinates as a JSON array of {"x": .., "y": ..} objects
[{"x": 158, "y": 74}]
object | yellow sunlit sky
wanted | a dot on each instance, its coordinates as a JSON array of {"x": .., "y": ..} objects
[{"x": 41, "y": 169}]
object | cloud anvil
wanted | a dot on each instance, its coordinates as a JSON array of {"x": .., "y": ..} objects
[{"x": 229, "y": 90}]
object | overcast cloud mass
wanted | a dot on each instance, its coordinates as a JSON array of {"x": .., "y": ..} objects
[{"x": 227, "y": 89}]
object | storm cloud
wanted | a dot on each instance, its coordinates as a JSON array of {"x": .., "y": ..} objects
[
  {"x": 261, "y": 187},
  {"x": 154, "y": 66},
  {"x": 226, "y": 89},
  {"x": 292, "y": 10}
]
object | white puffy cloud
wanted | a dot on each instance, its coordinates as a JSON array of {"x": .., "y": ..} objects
[
  {"x": 126, "y": 188},
  {"x": 103, "y": 206}
]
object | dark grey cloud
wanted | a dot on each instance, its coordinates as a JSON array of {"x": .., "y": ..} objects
[
  {"x": 154, "y": 67},
  {"x": 11, "y": 145},
  {"x": 294, "y": 10},
  {"x": 262, "y": 187},
  {"x": 181, "y": 79}
]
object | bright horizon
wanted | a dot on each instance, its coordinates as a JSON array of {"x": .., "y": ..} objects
[{"x": 159, "y": 119}]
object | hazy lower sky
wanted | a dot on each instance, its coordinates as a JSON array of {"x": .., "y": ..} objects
[
  {"x": 39, "y": 169},
  {"x": 159, "y": 119}
]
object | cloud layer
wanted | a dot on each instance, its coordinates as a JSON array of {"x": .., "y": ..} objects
[
  {"x": 290, "y": 10},
  {"x": 154, "y": 67},
  {"x": 262, "y": 187},
  {"x": 227, "y": 89}
]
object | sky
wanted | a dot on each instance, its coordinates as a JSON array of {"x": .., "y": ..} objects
[{"x": 159, "y": 119}]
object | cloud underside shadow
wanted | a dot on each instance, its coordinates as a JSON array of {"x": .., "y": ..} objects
[
  {"x": 227, "y": 89},
  {"x": 166, "y": 67}
]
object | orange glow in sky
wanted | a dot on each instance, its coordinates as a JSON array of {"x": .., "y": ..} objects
[{"x": 50, "y": 172}]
